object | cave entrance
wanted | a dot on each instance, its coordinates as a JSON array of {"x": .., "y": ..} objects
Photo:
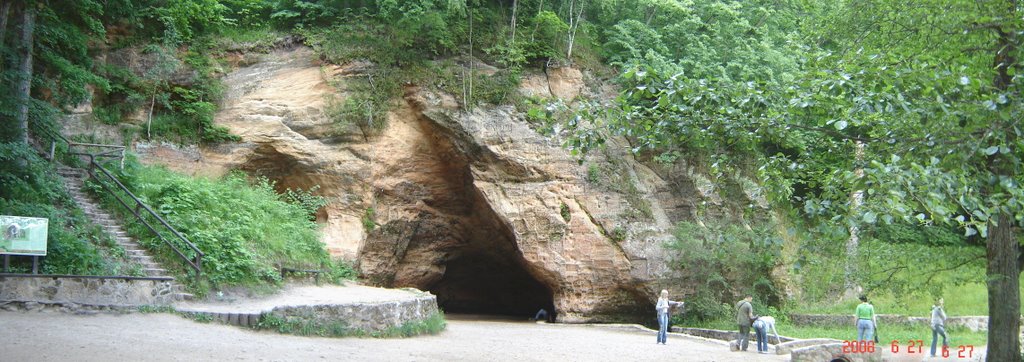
[
  {"x": 483, "y": 282},
  {"x": 486, "y": 273},
  {"x": 458, "y": 247}
]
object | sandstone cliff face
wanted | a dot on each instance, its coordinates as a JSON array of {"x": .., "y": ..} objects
[{"x": 476, "y": 206}]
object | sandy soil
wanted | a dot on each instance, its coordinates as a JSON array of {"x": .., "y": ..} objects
[{"x": 52, "y": 336}]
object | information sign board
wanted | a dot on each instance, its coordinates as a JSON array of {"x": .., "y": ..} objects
[{"x": 23, "y": 235}]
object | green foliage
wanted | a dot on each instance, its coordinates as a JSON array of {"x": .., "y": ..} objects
[
  {"x": 29, "y": 187},
  {"x": 150, "y": 309},
  {"x": 544, "y": 116},
  {"x": 306, "y": 200},
  {"x": 184, "y": 20},
  {"x": 967, "y": 299},
  {"x": 200, "y": 317},
  {"x": 593, "y": 173},
  {"x": 724, "y": 261},
  {"x": 919, "y": 234},
  {"x": 245, "y": 229},
  {"x": 368, "y": 219},
  {"x": 180, "y": 114},
  {"x": 917, "y": 270},
  {"x": 61, "y": 38},
  {"x": 546, "y": 38},
  {"x": 498, "y": 88},
  {"x": 910, "y": 269},
  {"x": 368, "y": 106},
  {"x": 901, "y": 332},
  {"x": 564, "y": 211},
  {"x": 799, "y": 111},
  {"x": 340, "y": 270},
  {"x": 631, "y": 40},
  {"x": 619, "y": 234},
  {"x": 433, "y": 324}
]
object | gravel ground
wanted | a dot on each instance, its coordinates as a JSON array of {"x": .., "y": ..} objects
[{"x": 53, "y": 336}]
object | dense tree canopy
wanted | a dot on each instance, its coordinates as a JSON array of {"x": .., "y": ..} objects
[{"x": 927, "y": 90}]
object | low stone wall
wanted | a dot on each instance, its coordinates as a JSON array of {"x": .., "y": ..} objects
[
  {"x": 366, "y": 317},
  {"x": 832, "y": 352},
  {"x": 86, "y": 290},
  {"x": 789, "y": 347},
  {"x": 973, "y": 323},
  {"x": 726, "y": 335}
]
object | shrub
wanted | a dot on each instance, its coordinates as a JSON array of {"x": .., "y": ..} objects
[
  {"x": 245, "y": 228},
  {"x": 306, "y": 200},
  {"x": 29, "y": 187},
  {"x": 368, "y": 219},
  {"x": 724, "y": 261},
  {"x": 919, "y": 234}
]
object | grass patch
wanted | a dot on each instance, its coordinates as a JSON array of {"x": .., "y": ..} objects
[
  {"x": 960, "y": 300},
  {"x": 245, "y": 228},
  {"x": 886, "y": 333},
  {"x": 195, "y": 316},
  {"x": 150, "y": 309},
  {"x": 199, "y": 317},
  {"x": 431, "y": 325}
]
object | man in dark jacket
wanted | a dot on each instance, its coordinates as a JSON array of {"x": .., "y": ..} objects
[{"x": 744, "y": 314}]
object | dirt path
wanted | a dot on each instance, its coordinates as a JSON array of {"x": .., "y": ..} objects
[{"x": 42, "y": 336}]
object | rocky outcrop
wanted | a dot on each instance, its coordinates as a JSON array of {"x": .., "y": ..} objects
[{"x": 476, "y": 207}]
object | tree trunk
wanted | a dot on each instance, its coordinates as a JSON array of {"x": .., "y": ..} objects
[
  {"x": 1003, "y": 269},
  {"x": 5, "y": 10},
  {"x": 856, "y": 200},
  {"x": 537, "y": 25},
  {"x": 515, "y": 11},
  {"x": 25, "y": 74},
  {"x": 149, "y": 120},
  {"x": 469, "y": 99},
  {"x": 1003, "y": 288},
  {"x": 572, "y": 31}
]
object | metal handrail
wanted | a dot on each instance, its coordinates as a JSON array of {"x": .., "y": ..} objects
[
  {"x": 196, "y": 262},
  {"x": 140, "y": 208}
]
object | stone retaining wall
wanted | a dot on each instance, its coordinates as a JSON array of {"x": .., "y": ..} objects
[
  {"x": 831, "y": 352},
  {"x": 86, "y": 290},
  {"x": 367, "y": 317},
  {"x": 726, "y": 335},
  {"x": 974, "y": 323}
]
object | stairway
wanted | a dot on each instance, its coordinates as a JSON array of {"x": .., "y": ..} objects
[{"x": 74, "y": 181}]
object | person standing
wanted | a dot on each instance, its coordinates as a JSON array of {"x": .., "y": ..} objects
[
  {"x": 744, "y": 315},
  {"x": 866, "y": 321},
  {"x": 663, "y": 307},
  {"x": 938, "y": 325}
]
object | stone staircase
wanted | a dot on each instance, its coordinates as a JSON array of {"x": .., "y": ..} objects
[{"x": 74, "y": 181}]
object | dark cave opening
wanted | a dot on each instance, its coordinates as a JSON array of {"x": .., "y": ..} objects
[
  {"x": 486, "y": 272},
  {"x": 485, "y": 283}
]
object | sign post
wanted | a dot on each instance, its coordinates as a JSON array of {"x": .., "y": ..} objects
[{"x": 23, "y": 236}]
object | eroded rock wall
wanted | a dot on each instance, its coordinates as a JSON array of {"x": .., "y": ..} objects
[{"x": 476, "y": 207}]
